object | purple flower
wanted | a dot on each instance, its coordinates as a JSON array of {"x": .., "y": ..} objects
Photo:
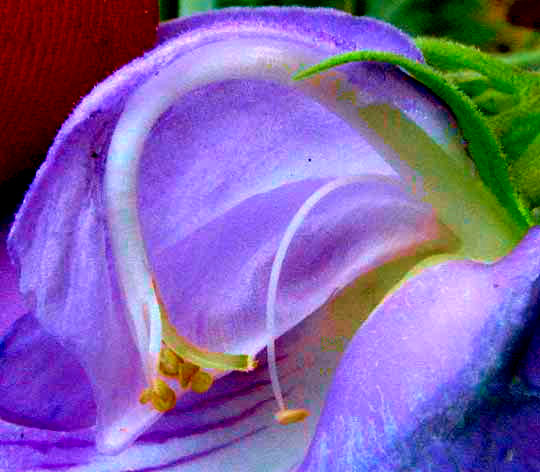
[{"x": 199, "y": 201}]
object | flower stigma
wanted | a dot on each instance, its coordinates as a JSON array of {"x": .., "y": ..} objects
[{"x": 285, "y": 415}]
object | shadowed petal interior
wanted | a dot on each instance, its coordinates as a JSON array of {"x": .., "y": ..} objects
[{"x": 214, "y": 282}]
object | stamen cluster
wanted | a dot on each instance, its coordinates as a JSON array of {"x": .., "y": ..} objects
[{"x": 188, "y": 375}]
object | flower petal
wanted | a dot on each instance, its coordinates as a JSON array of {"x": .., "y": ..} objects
[
  {"x": 427, "y": 361},
  {"x": 60, "y": 240},
  {"x": 296, "y": 137},
  {"x": 26, "y": 449}
]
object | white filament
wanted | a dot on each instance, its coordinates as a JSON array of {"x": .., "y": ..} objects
[
  {"x": 267, "y": 59},
  {"x": 277, "y": 265}
]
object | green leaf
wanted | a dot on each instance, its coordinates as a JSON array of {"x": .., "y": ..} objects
[
  {"x": 515, "y": 106},
  {"x": 483, "y": 145}
]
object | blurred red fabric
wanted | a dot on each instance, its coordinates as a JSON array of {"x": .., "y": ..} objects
[{"x": 52, "y": 52}]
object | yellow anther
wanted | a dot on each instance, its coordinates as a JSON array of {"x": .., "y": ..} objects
[
  {"x": 291, "y": 416},
  {"x": 160, "y": 388},
  {"x": 186, "y": 371},
  {"x": 145, "y": 396},
  {"x": 201, "y": 382},
  {"x": 160, "y": 395},
  {"x": 163, "y": 397},
  {"x": 169, "y": 362}
]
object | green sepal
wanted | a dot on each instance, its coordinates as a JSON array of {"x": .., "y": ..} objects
[
  {"x": 483, "y": 145},
  {"x": 449, "y": 56},
  {"x": 468, "y": 81},
  {"x": 512, "y": 98},
  {"x": 529, "y": 60},
  {"x": 526, "y": 171},
  {"x": 492, "y": 102},
  {"x": 518, "y": 126}
]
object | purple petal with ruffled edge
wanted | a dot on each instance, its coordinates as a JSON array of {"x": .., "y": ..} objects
[
  {"x": 437, "y": 355},
  {"x": 335, "y": 32}
]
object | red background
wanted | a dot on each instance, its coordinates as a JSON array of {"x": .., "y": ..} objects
[{"x": 52, "y": 52}]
